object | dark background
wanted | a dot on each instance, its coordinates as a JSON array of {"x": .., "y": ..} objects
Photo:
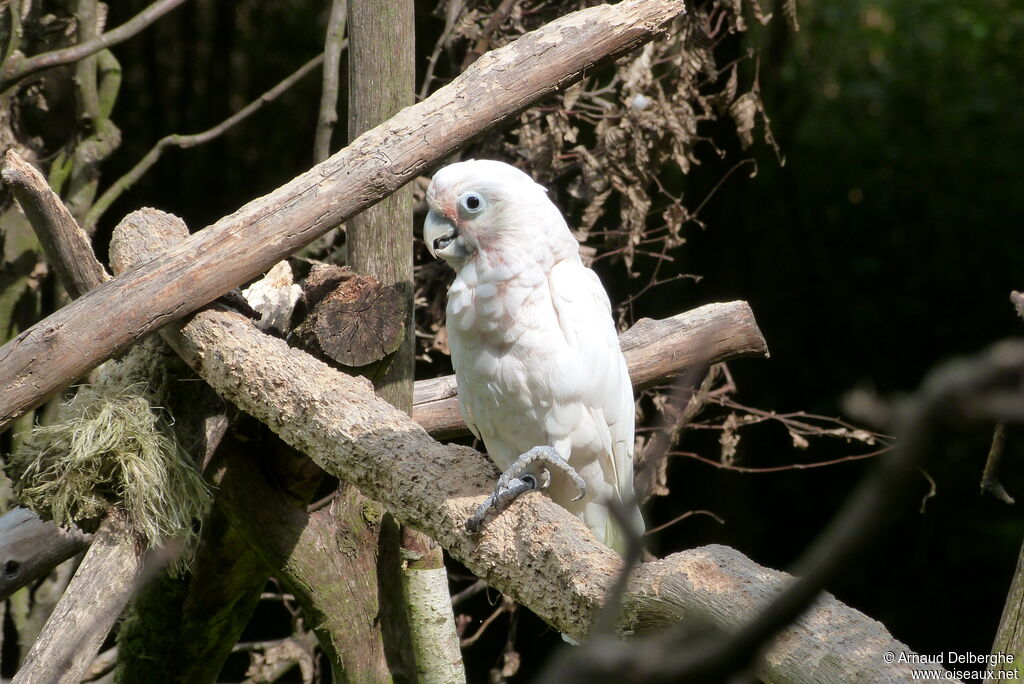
[{"x": 887, "y": 242}]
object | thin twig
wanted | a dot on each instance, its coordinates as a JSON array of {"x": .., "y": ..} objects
[
  {"x": 933, "y": 489},
  {"x": 506, "y": 604},
  {"x": 452, "y": 13},
  {"x": 472, "y": 590},
  {"x": 682, "y": 517},
  {"x": 334, "y": 45},
  {"x": 779, "y": 469},
  {"x": 19, "y": 70},
  {"x": 184, "y": 141},
  {"x": 67, "y": 247},
  {"x": 483, "y": 42}
]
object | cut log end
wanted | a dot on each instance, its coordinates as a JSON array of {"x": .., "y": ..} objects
[{"x": 356, "y": 322}]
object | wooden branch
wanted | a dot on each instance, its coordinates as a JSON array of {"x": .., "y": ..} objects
[
  {"x": 111, "y": 570},
  {"x": 50, "y": 355},
  {"x": 535, "y": 551},
  {"x": 670, "y": 346},
  {"x": 381, "y": 81},
  {"x": 328, "y": 562},
  {"x": 30, "y": 548},
  {"x": 122, "y": 184},
  {"x": 66, "y": 245},
  {"x": 340, "y": 597},
  {"x": 655, "y": 351},
  {"x": 16, "y": 70},
  {"x": 1010, "y": 635}
]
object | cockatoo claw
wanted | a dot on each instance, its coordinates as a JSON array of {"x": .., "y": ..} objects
[
  {"x": 513, "y": 482},
  {"x": 504, "y": 494}
]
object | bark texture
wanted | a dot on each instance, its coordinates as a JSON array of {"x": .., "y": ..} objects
[
  {"x": 102, "y": 585},
  {"x": 1010, "y": 635},
  {"x": 30, "y": 548},
  {"x": 535, "y": 551},
  {"x": 67, "y": 246}
]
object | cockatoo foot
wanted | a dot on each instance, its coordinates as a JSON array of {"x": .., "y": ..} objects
[{"x": 513, "y": 482}]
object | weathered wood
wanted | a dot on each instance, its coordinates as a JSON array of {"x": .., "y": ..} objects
[
  {"x": 111, "y": 570},
  {"x": 655, "y": 351},
  {"x": 730, "y": 326},
  {"x": 381, "y": 82},
  {"x": 535, "y": 551},
  {"x": 329, "y": 563},
  {"x": 51, "y": 354},
  {"x": 67, "y": 247},
  {"x": 1010, "y": 635},
  {"x": 337, "y": 594},
  {"x": 382, "y": 75},
  {"x": 30, "y": 548},
  {"x": 359, "y": 321}
]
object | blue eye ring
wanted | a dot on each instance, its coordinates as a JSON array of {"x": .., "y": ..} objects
[{"x": 471, "y": 203}]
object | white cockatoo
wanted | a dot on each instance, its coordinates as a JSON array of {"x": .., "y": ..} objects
[{"x": 541, "y": 378}]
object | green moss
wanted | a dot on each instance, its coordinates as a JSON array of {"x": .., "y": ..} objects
[{"x": 113, "y": 448}]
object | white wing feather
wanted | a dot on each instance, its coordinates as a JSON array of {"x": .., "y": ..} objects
[{"x": 584, "y": 315}]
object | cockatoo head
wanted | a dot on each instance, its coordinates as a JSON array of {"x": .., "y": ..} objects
[{"x": 485, "y": 206}]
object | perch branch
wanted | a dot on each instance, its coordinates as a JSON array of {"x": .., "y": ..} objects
[
  {"x": 122, "y": 184},
  {"x": 16, "y": 70},
  {"x": 436, "y": 408},
  {"x": 731, "y": 325},
  {"x": 535, "y": 551},
  {"x": 66, "y": 245},
  {"x": 48, "y": 356}
]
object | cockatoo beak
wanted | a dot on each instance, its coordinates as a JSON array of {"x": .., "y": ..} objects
[
  {"x": 437, "y": 232},
  {"x": 442, "y": 237}
]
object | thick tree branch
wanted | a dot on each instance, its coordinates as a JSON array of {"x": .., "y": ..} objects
[
  {"x": 16, "y": 70},
  {"x": 66, "y": 245},
  {"x": 535, "y": 551},
  {"x": 49, "y": 356},
  {"x": 381, "y": 81},
  {"x": 669, "y": 346},
  {"x": 1010, "y": 635}
]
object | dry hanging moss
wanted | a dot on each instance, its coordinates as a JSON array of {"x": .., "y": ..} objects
[{"x": 112, "y": 447}]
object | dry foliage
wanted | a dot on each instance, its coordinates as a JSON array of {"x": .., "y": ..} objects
[{"x": 615, "y": 148}]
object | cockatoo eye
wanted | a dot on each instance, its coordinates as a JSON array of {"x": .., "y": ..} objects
[{"x": 471, "y": 203}]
